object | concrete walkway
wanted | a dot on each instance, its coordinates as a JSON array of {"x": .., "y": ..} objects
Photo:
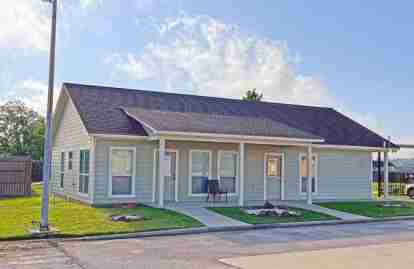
[
  {"x": 205, "y": 216},
  {"x": 338, "y": 214}
]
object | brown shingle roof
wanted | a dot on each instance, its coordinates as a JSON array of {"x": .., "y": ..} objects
[{"x": 100, "y": 110}]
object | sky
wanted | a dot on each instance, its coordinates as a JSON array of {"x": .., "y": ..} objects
[{"x": 355, "y": 56}]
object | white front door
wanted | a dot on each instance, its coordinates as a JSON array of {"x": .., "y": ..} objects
[
  {"x": 273, "y": 176},
  {"x": 171, "y": 176}
]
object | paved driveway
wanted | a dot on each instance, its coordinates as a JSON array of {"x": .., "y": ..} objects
[{"x": 203, "y": 251}]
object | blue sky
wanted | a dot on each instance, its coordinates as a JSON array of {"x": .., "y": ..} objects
[{"x": 353, "y": 55}]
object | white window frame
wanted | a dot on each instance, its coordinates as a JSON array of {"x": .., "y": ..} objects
[
  {"x": 62, "y": 170},
  {"x": 315, "y": 175},
  {"x": 282, "y": 176},
  {"x": 70, "y": 160},
  {"x": 220, "y": 152},
  {"x": 190, "y": 168},
  {"x": 84, "y": 174},
  {"x": 134, "y": 158}
]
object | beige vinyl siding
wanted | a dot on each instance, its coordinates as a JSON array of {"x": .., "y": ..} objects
[
  {"x": 183, "y": 170},
  {"x": 70, "y": 135},
  {"x": 143, "y": 170},
  {"x": 342, "y": 175},
  {"x": 255, "y": 173}
]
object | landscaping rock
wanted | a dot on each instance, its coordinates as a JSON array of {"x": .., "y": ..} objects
[
  {"x": 395, "y": 205},
  {"x": 273, "y": 212},
  {"x": 268, "y": 205},
  {"x": 127, "y": 218},
  {"x": 126, "y": 205}
]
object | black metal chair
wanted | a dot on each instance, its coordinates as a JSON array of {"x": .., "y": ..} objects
[{"x": 214, "y": 190}]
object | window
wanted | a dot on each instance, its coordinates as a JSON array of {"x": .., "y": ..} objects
[
  {"x": 274, "y": 166},
  {"x": 228, "y": 170},
  {"x": 70, "y": 160},
  {"x": 200, "y": 163},
  {"x": 62, "y": 170},
  {"x": 84, "y": 171},
  {"x": 303, "y": 167},
  {"x": 122, "y": 171}
]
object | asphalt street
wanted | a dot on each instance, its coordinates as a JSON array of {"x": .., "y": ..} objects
[{"x": 336, "y": 244}]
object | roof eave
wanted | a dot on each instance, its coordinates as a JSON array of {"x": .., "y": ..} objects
[{"x": 189, "y": 135}]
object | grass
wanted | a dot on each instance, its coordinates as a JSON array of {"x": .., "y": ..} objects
[
  {"x": 76, "y": 219},
  {"x": 238, "y": 214},
  {"x": 372, "y": 209}
]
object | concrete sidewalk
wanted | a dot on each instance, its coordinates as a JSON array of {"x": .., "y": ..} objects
[
  {"x": 316, "y": 208},
  {"x": 207, "y": 217}
]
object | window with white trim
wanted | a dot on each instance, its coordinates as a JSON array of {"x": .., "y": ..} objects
[
  {"x": 122, "y": 171},
  {"x": 200, "y": 171},
  {"x": 62, "y": 170},
  {"x": 303, "y": 171},
  {"x": 70, "y": 160},
  {"x": 84, "y": 171},
  {"x": 274, "y": 166},
  {"x": 228, "y": 171}
]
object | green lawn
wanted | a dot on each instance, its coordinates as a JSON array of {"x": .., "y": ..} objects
[
  {"x": 75, "y": 219},
  {"x": 371, "y": 209},
  {"x": 238, "y": 214}
]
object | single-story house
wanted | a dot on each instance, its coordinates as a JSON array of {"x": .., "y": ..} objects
[{"x": 113, "y": 145}]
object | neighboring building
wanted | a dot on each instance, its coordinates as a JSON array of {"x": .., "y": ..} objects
[
  {"x": 400, "y": 170},
  {"x": 107, "y": 143}
]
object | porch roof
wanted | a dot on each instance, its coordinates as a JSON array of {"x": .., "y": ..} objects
[{"x": 163, "y": 121}]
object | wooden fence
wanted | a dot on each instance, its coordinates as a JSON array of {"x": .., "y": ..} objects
[
  {"x": 16, "y": 176},
  {"x": 37, "y": 171}
]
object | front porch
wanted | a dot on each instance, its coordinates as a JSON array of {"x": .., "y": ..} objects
[{"x": 251, "y": 172}]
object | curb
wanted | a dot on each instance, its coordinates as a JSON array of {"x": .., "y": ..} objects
[{"x": 203, "y": 230}]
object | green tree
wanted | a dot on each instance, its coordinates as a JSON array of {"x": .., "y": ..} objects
[
  {"x": 252, "y": 95},
  {"x": 21, "y": 130}
]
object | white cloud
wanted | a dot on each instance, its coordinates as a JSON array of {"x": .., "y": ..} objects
[
  {"x": 24, "y": 24},
  {"x": 90, "y": 4},
  {"x": 139, "y": 5},
  {"x": 210, "y": 57},
  {"x": 32, "y": 92}
]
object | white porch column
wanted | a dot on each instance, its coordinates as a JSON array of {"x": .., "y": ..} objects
[
  {"x": 386, "y": 174},
  {"x": 241, "y": 174},
  {"x": 161, "y": 172},
  {"x": 309, "y": 175}
]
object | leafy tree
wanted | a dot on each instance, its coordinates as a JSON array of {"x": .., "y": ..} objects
[
  {"x": 21, "y": 130},
  {"x": 252, "y": 95}
]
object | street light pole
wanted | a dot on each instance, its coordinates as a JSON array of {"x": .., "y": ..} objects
[{"x": 47, "y": 157}]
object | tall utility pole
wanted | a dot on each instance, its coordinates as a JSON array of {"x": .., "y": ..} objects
[
  {"x": 379, "y": 175},
  {"x": 47, "y": 157}
]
